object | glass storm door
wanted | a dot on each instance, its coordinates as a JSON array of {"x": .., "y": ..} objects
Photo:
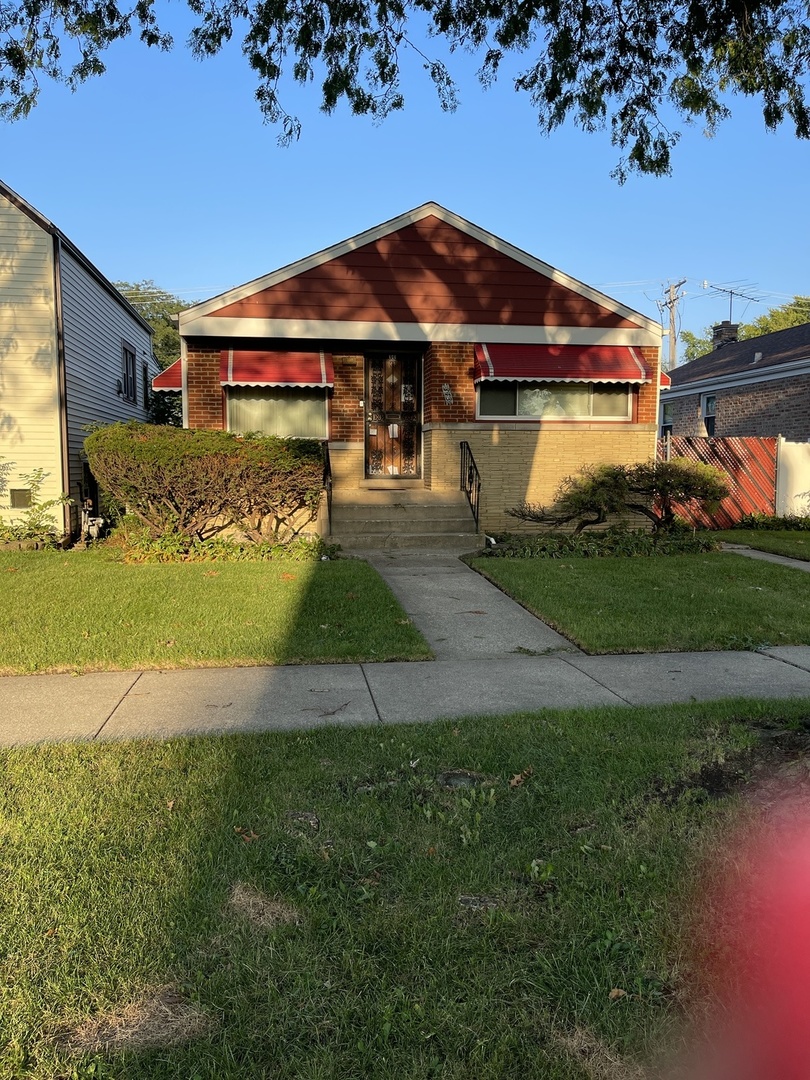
[{"x": 393, "y": 416}]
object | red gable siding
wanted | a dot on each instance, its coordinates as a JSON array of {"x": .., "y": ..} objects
[{"x": 428, "y": 272}]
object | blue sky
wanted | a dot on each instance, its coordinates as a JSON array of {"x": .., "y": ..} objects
[{"x": 163, "y": 169}]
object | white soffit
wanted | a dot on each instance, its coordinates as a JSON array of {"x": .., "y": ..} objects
[{"x": 212, "y": 327}]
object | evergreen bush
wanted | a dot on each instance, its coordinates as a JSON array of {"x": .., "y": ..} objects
[{"x": 195, "y": 485}]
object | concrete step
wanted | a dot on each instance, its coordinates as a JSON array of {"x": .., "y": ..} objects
[
  {"x": 402, "y": 514},
  {"x": 459, "y": 542},
  {"x": 396, "y": 496},
  {"x": 406, "y": 527}
]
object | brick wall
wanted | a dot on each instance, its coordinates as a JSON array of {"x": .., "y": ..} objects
[
  {"x": 647, "y": 401},
  {"x": 206, "y": 401},
  {"x": 347, "y": 414},
  {"x": 780, "y": 407},
  {"x": 450, "y": 365},
  {"x": 521, "y": 462}
]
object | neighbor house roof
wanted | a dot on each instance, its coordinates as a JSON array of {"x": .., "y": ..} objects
[{"x": 768, "y": 356}]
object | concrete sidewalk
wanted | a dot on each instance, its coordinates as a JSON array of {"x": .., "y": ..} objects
[{"x": 493, "y": 658}]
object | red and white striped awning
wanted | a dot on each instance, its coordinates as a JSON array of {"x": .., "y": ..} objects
[
  {"x": 238, "y": 367},
  {"x": 561, "y": 363},
  {"x": 171, "y": 379}
]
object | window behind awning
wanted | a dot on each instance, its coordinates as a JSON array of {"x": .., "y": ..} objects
[
  {"x": 561, "y": 363},
  {"x": 240, "y": 367}
]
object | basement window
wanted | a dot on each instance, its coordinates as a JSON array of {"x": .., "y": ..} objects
[
  {"x": 502, "y": 399},
  {"x": 19, "y": 498}
]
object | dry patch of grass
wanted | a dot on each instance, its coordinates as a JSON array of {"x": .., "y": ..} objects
[
  {"x": 262, "y": 911},
  {"x": 157, "y": 1019},
  {"x": 597, "y": 1060}
]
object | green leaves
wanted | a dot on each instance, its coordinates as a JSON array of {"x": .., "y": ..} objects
[
  {"x": 195, "y": 484},
  {"x": 635, "y": 67}
]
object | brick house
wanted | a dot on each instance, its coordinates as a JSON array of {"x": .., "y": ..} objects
[
  {"x": 423, "y": 333},
  {"x": 756, "y": 387}
]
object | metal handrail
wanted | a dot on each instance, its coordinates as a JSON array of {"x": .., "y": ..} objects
[
  {"x": 327, "y": 484},
  {"x": 470, "y": 480}
]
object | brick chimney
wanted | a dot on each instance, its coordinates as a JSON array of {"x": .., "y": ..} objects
[{"x": 724, "y": 334}]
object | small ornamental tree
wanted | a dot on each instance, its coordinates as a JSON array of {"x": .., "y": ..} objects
[
  {"x": 652, "y": 488},
  {"x": 657, "y": 487},
  {"x": 590, "y": 498},
  {"x": 196, "y": 484}
]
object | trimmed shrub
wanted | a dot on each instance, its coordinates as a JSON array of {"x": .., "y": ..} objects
[
  {"x": 652, "y": 488},
  {"x": 793, "y": 522},
  {"x": 614, "y": 542},
  {"x": 194, "y": 485}
]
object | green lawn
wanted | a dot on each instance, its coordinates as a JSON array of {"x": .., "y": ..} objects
[
  {"x": 791, "y": 542},
  {"x": 677, "y": 603},
  {"x": 84, "y": 611},
  {"x": 336, "y": 904}
]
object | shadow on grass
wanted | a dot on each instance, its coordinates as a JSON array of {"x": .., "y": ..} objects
[{"x": 329, "y": 904}]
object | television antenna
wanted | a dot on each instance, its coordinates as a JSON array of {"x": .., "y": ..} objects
[{"x": 731, "y": 293}]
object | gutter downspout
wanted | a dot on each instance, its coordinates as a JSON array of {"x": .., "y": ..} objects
[
  {"x": 61, "y": 378},
  {"x": 184, "y": 380}
]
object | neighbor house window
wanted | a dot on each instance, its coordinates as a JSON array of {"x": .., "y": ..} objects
[
  {"x": 666, "y": 420},
  {"x": 709, "y": 410},
  {"x": 19, "y": 498},
  {"x": 289, "y": 411},
  {"x": 555, "y": 400},
  {"x": 130, "y": 381}
]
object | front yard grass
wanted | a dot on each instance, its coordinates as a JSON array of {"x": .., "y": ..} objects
[
  {"x": 794, "y": 543},
  {"x": 452, "y": 900},
  {"x": 679, "y": 603},
  {"x": 85, "y": 611}
]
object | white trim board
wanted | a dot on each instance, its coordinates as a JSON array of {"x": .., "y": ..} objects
[
  {"x": 323, "y": 330},
  {"x": 428, "y": 209}
]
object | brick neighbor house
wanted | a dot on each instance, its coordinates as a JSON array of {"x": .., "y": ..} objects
[
  {"x": 398, "y": 345},
  {"x": 756, "y": 387}
]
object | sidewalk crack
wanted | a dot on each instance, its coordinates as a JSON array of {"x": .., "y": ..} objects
[
  {"x": 593, "y": 678},
  {"x": 117, "y": 706},
  {"x": 371, "y": 694}
]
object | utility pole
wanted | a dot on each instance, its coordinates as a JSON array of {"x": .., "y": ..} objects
[{"x": 671, "y": 302}]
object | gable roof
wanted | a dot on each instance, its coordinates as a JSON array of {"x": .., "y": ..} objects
[
  {"x": 48, "y": 226},
  {"x": 748, "y": 358},
  {"x": 427, "y": 274}
]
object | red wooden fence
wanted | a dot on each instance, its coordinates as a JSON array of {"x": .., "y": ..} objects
[{"x": 749, "y": 464}]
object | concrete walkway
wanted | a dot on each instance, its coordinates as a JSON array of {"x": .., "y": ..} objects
[{"x": 493, "y": 657}]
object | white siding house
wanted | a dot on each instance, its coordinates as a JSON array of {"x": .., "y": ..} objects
[{"x": 72, "y": 352}]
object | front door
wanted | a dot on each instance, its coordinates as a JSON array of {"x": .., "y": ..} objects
[{"x": 393, "y": 415}]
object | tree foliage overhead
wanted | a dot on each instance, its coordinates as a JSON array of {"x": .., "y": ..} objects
[
  {"x": 795, "y": 312},
  {"x": 621, "y": 64}
]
